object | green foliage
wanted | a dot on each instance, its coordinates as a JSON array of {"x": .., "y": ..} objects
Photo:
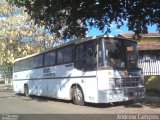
[
  {"x": 5, "y": 66},
  {"x": 152, "y": 82},
  {"x": 71, "y": 17},
  {"x": 6, "y": 69},
  {"x": 19, "y": 36}
]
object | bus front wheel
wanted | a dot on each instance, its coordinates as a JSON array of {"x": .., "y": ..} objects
[
  {"x": 77, "y": 96},
  {"x": 26, "y": 90}
]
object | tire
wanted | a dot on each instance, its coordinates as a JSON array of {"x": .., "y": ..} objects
[
  {"x": 26, "y": 90},
  {"x": 77, "y": 96}
]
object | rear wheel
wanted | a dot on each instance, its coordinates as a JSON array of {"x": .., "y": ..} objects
[
  {"x": 77, "y": 96},
  {"x": 26, "y": 90}
]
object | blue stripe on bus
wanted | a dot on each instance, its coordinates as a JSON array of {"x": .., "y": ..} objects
[{"x": 55, "y": 78}]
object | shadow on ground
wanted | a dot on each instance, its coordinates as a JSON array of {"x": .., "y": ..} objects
[
  {"x": 41, "y": 99},
  {"x": 9, "y": 96},
  {"x": 128, "y": 104}
]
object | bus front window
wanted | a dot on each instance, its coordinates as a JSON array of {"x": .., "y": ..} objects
[
  {"x": 131, "y": 54},
  {"x": 117, "y": 54},
  {"x": 111, "y": 53},
  {"x": 115, "y": 51}
]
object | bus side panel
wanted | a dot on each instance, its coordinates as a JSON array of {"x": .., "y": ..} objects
[
  {"x": 73, "y": 76},
  {"x": 89, "y": 86},
  {"x": 26, "y": 77},
  {"x": 103, "y": 77},
  {"x": 87, "y": 81},
  {"x": 65, "y": 75},
  {"x": 19, "y": 79},
  {"x": 18, "y": 86},
  {"x": 59, "y": 85}
]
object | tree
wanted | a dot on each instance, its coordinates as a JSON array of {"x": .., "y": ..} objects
[
  {"x": 6, "y": 71},
  {"x": 19, "y": 36},
  {"x": 72, "y": 17}
]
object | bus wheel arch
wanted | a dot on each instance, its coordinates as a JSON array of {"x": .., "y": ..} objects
[
  {"x": 77, "y": 95},
  {"x": 26, "y": 90}
]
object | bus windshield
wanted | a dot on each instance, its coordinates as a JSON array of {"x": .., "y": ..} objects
[{"x": 117, "y": 53}]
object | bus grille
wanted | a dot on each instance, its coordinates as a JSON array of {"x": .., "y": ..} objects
[{"x": 128, "y": 82}]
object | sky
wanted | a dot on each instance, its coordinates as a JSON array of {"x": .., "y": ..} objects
[{"x": 115, "y": 31}]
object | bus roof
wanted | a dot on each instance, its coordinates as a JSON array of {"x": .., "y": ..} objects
[{"x": 76, "y": 41}]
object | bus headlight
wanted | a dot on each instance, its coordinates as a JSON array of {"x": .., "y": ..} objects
[
  {"x": 141, "y": 82},
  {"x": 114, "y": 83},
  {"x": 140, "y": 72},
  {"x": 111, "y": 83}
]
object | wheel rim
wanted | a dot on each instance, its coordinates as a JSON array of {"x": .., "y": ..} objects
[{"x": 78, "y": 96}]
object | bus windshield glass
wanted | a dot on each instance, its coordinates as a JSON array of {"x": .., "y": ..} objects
[
  {"x": 117, "y": 53},
  {"x": 131, "y": 54}
]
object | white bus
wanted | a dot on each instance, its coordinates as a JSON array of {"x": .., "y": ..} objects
[{"x": 96, "y": 70}]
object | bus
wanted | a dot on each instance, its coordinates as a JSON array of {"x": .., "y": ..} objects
[{"x": 101, "y": 69}]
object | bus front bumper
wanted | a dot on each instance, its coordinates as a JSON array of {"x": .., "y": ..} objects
[{"x": 119, "y": 95}]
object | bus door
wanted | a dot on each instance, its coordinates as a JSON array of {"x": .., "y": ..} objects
[{"x": 86, "y": 63}]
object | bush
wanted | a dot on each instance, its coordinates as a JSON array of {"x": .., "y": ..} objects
[{"x": 152, "y": 85}]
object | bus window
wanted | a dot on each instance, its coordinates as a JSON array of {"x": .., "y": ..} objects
[
  {"x": 38, "y": 61},
  {"x": 86, "y": 56},
  {"x": 111, "y": 53},
  {"x": 64, "y": 55},
  {"x": 90, "y": 56},
  {"x": 49, "y": 58},
  {"x": 79, "y": 59},
  {"x": 67, "y": 55},
  {"x": 117, "y": 53},
  {"x": 131, "y": 54},
  {"x": 60, "y": 56}
]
